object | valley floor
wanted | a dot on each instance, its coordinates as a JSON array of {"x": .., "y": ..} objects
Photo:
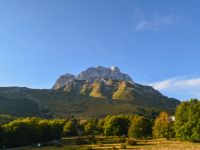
[{"x": 151, "y": 144}]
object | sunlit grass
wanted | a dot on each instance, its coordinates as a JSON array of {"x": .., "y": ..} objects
[{"x": 152, "y": 144}]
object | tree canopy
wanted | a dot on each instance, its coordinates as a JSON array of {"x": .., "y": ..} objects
[
  {"x": 163, "y": 126},
  {"x": 187, "y": 124},
  {"x": 140, "y": 127},
  {"x": 117, "y": 125}
]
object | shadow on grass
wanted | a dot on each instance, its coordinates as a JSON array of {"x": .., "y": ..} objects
[{"x": 143, "y": 145}]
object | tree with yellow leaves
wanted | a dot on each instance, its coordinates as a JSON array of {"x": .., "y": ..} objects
[{"x": 163, "y": 126}]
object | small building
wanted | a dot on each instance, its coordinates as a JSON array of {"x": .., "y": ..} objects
[{"x": 172, "y": 118}]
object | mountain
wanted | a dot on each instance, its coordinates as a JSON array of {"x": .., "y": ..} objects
[
  {"x": 90, "y": 74},
  {"x": 95, "y": 92}
]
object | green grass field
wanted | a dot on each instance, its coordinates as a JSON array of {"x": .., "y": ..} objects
[{"x": 109, "y": 143}]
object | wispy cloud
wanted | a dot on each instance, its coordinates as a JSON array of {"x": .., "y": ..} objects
[
  {"x": 189, "y": 87},
  {"x": 155, "y": 21}
]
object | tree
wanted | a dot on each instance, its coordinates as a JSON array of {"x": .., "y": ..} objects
[
  {"x": 43, "y": 131},
  {"x": 2, "y": 135},
  {"x": 56, "y": 126},
  {"x": 22, "y": 132},
  {"x": 117, "y": 125},
  {"x": 100, "y": 126},
  {"x": 163, "y": 127},
  {"x": 187, "y": 124},
  {"x": 70, "y": 128},
  {"x": 6, "y": 119},
  {"x": 90, "y": 128},
  {"x": 140, "y": 127},
  {"x": 19, "y": 133}
]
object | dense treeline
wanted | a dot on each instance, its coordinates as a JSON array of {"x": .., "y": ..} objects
[
  {"x": 27, "y": 131},
  {"x": 185, "y": 126}
]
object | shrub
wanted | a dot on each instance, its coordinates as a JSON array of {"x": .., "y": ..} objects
[
  {"x": 81, "y": 141},
  {"x": 91, "y": 139},
  {"x": 122, "y": 146},
  {"x": 131, "y": 141},
  {"x": 121, "y": 140}
]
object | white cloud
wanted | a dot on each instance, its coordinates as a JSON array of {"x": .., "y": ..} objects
[
  {"x": 176, "y": 83},
  {"x": 165, "y": 84},
  {"x": 184, "y": 87},
  {"x": 154, "y": 21}
]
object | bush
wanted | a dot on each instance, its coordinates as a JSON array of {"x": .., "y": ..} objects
[
  {"x": 87, "y": 140},
  {"x": 121, "y": 140},
  {"x": 91, "y": 139},
  {"x": 122, "y": 146},
  {"x": 81, "y": 141},
  {"x": 131, "y": 141}
]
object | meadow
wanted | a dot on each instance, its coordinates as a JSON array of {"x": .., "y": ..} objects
[{"x": 111, "y": 143}]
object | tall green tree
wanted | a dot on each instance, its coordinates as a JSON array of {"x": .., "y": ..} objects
[
  {"x": 187, "y": 124},
  {"x": 56, "y": 126},
  {"x": 140, "y": 127},
  {"x": 117, "y": 125},
  {"x": 90, "y": 128},
  {"x": 70, "y": 128}
]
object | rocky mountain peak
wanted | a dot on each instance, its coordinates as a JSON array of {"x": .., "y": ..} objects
[
  {"x": 92, "y": 73},
  {"x": 114, "y": 69},
  {"x": 64, "y": 80},
  {"x": 103, "y": 73}
]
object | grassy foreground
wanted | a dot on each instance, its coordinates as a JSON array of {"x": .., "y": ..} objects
[{"x": 152, "y": 144}]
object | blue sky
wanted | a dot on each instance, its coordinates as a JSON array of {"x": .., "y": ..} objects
[{"x": 156, "y": 42}]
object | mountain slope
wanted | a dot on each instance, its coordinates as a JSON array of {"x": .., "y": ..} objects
[{"x": 87, "y": 95}]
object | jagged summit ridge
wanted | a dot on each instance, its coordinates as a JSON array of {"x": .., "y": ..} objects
[
  {"x": 64, "y": 80},
  {"x": 103, "y": 73},
  {"x": 92, "y": 73}
]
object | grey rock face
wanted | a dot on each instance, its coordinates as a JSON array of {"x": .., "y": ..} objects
[
  {"x": 92, "y": 73},
  {"x": 103, "y": 73},
  {"x": 64, "y": 80}
]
